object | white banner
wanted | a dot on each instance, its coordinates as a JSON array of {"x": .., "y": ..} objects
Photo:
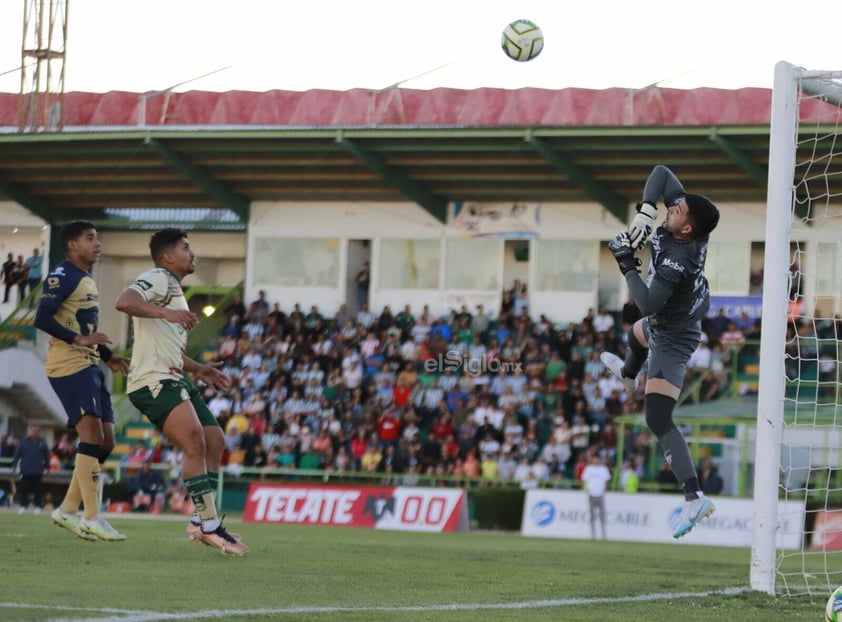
[
  {"x": 646, "y": 518},
  {"x": 496, "y": 220},
  {"x": 455, "y": 300},
  {"x": 426, "y": 509},
  {"x": 377, "y": 507}
]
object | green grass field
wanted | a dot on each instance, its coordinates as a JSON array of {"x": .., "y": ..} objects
[{"x": 348, "y": 574}]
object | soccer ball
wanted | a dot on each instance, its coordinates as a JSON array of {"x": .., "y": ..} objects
[
  {"x": 522, "y": 40},
  {"x": 833, "y": 610}
]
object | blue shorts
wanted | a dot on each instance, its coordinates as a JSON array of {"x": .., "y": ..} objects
[{"x": 84, "y": 393}]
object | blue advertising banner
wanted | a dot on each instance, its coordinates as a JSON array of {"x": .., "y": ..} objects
[{"x": 736, "y": 305}]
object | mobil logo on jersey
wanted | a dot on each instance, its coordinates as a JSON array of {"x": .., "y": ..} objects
[{"x": 671, "y": 263}]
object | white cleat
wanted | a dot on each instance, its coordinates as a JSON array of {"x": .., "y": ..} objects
[
  {"x": 692, "y": 513},
  {"x": 71, "y": 523},
  {"x": 615, "y": 365},
  {"x": 100, "y": 528}
]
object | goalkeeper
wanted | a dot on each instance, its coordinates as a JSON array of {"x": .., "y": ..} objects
[{"x": 673, "y": 299}]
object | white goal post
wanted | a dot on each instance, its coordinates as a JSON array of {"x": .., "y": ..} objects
[{"x": 799, "y": 407}]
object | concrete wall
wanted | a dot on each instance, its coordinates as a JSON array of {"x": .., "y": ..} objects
[
  {"x": 222, "y": 257},
  {"x": 376, "y": 221},
  {"x": 21, "y": 232},
  {"x": 220, "y": 261}
]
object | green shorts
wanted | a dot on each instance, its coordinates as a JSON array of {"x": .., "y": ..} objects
[{"x": 159, "y": 403}]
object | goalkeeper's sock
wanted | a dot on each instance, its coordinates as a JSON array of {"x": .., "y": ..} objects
[
  {"x": 692, "y": 489},
  {"x": 659, "y": 409},
  {"x": 635, "y": 356},
  {"x": 677, "y": 453},
  {"x": 86, "y": 472}
]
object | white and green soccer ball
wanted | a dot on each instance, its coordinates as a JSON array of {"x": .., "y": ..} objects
[
  {"x": 522, "y": 40},
  {"x": 833, "y": 610}
]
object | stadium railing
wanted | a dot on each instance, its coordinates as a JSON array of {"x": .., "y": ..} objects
[
  {"x": 205, "y": 334},
  {"x": 54, "y": 485},
  {"x": 20, "y": 324}
]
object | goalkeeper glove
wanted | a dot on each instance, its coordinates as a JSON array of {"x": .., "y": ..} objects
[
  {"x": 621, "y": 248},
  {"x": 642, "y": 225}
]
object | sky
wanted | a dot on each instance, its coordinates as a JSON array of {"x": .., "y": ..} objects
[{"x": 261, "y": 45}]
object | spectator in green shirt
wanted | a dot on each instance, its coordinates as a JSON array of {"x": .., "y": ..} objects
[{"x": 554, "y": 367}]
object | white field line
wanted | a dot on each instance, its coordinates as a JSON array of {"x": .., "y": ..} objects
[
  {"x": 71, "y": 608},
  {"x": 151, "y": 616}
]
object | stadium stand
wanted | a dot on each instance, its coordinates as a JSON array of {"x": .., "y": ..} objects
[
  {"x": 434, "y": 389},
  {"x": 526, "y": 397}
]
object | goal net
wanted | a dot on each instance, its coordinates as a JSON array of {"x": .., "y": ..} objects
[{"x": 798, "y": 460}]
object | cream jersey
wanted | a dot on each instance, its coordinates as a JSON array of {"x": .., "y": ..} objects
[{"x": 159, "y": 345}]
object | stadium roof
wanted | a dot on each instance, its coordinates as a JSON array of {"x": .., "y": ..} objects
[{"x": 122, "y": 157}]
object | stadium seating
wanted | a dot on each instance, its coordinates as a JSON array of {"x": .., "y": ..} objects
[
  {"x": 139, "y": 430},
  {"x": 748, "y": 374},
  {"x": 133, "y": 432}
]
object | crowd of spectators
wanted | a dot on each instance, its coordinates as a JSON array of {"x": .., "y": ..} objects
[{"x": 465, "y": 395}]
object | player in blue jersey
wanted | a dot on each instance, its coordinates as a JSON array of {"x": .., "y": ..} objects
[
  {"x": 69, "y": 312},
  {"x": 673, "y": 299}
]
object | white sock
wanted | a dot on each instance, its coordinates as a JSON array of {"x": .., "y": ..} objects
[{"x": 210, "y": 525}]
